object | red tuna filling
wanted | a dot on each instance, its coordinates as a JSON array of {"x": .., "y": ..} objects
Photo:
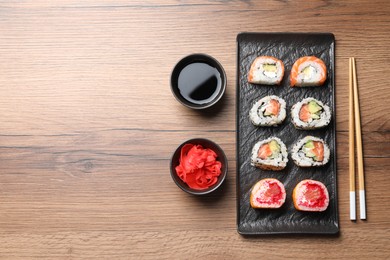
[
  {"x": 273, "y": 194},
  {"x": 313, "y": 196}
]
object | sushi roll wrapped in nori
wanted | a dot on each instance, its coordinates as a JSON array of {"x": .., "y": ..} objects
[
  {"x": 308, "y": 71},
  {"x": 310, "y": 113},
  {"x": 268, "y": 111},
  {"x": 310, "y": 151},
  {"x": 269, "y": 154},
  {"x": 266, "y": 70}
]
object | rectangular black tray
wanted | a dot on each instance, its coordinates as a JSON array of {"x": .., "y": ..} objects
[{"x": 287, "y": 47}]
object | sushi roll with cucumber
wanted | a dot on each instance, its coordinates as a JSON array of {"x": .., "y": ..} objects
[
  {"x": 266, "y": 70},
  {"x": 310, "y": 151},
  {"x": 310, "y": 113},
  {"x": 308, "y": 71},
  {"x": 268, "y": 111},
  {"x": 269, "y": 154}
]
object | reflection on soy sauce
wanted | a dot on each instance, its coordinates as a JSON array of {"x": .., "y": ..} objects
[{"x": 199, "y": 83}]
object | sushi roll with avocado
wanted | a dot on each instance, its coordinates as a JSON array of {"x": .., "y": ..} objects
[
  {"x": 310, "y": 151},
  {"x": 269, "y": 154},
  {"x": 308, "y": 71},
  {"x": 268, "y": 111},
  {"x": 266, "y": 70},
  {"x": 310, "y": 113}
]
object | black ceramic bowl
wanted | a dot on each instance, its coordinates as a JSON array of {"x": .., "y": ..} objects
[
  {"x": 198, "y": 81},
  {"x": 206, "y": 144}
]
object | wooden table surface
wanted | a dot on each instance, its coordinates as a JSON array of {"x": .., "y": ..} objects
[{"x": 89, "y": 124}]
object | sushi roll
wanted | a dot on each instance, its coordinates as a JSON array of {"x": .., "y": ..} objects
[
  {"x": 310, "y": 195},
  {"x": 268, "y": 194},
  {"x": 268, "y": 111},
  {"x": 310, "y": 151},
  {"x": 310, "y": 113},
  {"x": 269, "y": 154},
  {"x": 308, "y": 71},
  {"x": 266, "y": 70}
]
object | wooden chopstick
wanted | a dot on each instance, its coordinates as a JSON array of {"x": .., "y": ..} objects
[
  {"x": 359, "y": 148},
  {"x": 352, "y": 194}
]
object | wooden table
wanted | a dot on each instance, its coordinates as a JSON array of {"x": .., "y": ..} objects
[{"x": 89, "y": 124}]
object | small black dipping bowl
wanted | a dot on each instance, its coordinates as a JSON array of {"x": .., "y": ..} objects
[
  {"x": 198, "y": 81},
  {"x": 220, "y": 157}
]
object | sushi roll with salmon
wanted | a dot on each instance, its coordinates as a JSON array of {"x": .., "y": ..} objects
[
  {"x": 268, "y": 111},
  {"x": 269, "y": 154},
  {"x": 308, "y": 71},
  {"x": 310, "y": 113},
  {"x": 266, "y": 70},
  {"x": 310, "y": 151},
  {"x": 310, "y": 195},
  {"x": 268, "y": 193}
]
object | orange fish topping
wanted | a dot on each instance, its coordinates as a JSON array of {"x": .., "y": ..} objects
[{"x": 264, "y": 151}]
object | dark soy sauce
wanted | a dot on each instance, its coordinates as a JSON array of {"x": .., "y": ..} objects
[{"x": 199, "y": 83}]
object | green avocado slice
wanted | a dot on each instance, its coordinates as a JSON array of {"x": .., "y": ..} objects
[
  {"x": 308, "y": 148},
  {"x": 313, "y": 107},
  {"x": 309, "y": 144},
  {"x": 275, "y": 147}
]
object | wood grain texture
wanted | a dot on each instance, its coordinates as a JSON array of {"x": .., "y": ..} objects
[{"x": 89, "y": 124}]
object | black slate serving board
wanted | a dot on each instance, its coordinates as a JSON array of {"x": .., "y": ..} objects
[{"x": 287, "y": 47}]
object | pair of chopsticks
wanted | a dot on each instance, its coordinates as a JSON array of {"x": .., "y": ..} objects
[{"x": 354, "y": 124}]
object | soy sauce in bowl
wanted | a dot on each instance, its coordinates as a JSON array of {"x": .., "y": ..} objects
[{"x": 198, "y": 81}]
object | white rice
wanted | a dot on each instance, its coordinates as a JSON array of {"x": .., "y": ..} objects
[
  {"x": 323, "y": 121},
  {"x": 261, "y": 76},
  {"x": 299, "y": 157},
  {"x": 277, "y": 163},
  {"x": 256, "y": 114}
]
